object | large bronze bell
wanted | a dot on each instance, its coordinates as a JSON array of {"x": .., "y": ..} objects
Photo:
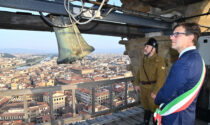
[{"x": 71, "y": 44}]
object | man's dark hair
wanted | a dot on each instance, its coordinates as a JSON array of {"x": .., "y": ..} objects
[{"x": 191, "y": 28}]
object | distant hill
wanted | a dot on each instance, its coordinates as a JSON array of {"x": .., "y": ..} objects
[
  {"x": 6, "y": 55},
  {"x": 109, "y": 50},
  {"x": 33, "y": 51},
  {"x": 26, "y": 51}
]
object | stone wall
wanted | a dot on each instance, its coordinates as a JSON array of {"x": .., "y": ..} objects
[
  {"x": 134, "y": 47},
  {"x": 135, "y": 5},
  {"x": 199, "y": 8}
]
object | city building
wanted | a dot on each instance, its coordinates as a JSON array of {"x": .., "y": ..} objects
[{"x": 58, "y": 100}]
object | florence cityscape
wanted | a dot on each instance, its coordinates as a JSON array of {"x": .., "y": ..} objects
[{"x": 28, "y": 71}]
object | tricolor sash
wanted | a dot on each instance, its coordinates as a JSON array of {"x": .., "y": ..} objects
[{"x": 181, "y": 102}]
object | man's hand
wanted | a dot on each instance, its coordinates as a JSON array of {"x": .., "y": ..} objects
[
  {"x": 137, "y": 88},
  {"x": 153, "y": 95}
]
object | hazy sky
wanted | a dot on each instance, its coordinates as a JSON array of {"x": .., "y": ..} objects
[{"x": 47, "y": 41}]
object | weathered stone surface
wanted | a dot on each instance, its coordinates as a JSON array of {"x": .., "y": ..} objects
[
  {"x": 134, "y": 47},
  {"x": 135, "y": 5},
  {"x": 187, "y": 9},
  {"x": 199, "y": 8}
]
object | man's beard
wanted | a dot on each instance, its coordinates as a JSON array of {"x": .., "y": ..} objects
[{"x": 146, "y": 54}]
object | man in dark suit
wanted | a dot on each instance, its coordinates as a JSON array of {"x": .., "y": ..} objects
[{"x": 179, "y": 93}]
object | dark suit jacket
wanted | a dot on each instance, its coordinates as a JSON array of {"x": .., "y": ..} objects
[{"x": 183, "y": 76}]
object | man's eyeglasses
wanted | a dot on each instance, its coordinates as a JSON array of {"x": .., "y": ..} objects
[{"x": 176, "y": 34}]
